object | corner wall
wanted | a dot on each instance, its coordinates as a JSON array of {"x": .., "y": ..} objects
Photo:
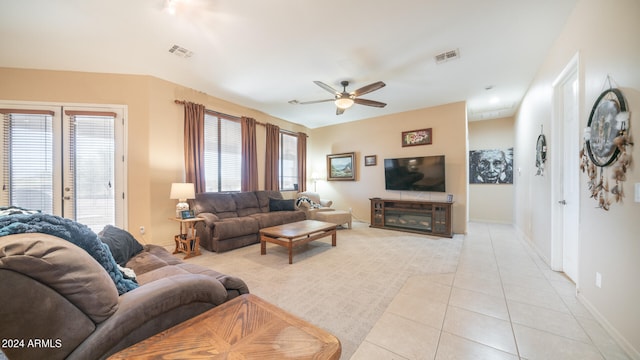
[
  {"x": 605, "y": 35},
  {"x": 381, "y": 136}
]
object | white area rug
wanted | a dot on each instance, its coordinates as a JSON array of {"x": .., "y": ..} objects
[{"x": 343, "y": 289}]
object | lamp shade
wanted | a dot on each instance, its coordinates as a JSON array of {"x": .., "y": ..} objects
[{"x": 182, "y": 191}]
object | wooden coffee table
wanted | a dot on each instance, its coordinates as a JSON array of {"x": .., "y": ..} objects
[
  {"x": 295, "y": 234},
  {"x": 246, "y": 327}
]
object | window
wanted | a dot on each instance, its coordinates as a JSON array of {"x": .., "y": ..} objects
[
  {"x": 222, "y": 153},
  {"x": 28, "y": 160},
  {"x": 288, "y": 161}
]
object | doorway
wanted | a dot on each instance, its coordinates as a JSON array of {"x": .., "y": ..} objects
[
  {"x": 565, "y": 207},
  {"x": 65, "y": 160}
]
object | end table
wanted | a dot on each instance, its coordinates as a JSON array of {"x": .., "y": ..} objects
[{"x": 187, "y": 241}]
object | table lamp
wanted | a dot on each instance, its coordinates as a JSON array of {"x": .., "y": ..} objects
[{"x": 182, "y": 192}]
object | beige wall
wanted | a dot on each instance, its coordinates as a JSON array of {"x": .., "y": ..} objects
[
  {"x": 605, "y": 34},
  {"x": 491, "y": 202},
  {"x": 74, "y": 87},
  {"x": 381, "y": 136},
  {"x": 155, "y": 130}
]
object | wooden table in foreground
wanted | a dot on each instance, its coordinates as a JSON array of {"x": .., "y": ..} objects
[
  {"x": 246, "y": 327},
  {"x": 295, "y": 234}
]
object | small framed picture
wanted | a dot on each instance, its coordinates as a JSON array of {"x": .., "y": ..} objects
[
  {"x": 187, "y": 214},
  {"x": 417, "y": 137},
  {"x": 370, "y": 160}
]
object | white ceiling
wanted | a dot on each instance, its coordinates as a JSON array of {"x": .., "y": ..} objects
[{"x": 262, "y": 54}]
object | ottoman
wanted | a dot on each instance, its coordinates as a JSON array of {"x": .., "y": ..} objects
[{"x": 338, "y": 217}]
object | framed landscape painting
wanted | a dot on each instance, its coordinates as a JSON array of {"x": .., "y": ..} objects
[{"x": 341, "y": 166}]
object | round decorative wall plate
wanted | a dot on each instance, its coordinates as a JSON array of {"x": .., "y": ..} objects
[{"x": 604, "y": 127}]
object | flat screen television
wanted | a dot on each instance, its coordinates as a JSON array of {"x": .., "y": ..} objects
[{"x": 419, "y": 173}]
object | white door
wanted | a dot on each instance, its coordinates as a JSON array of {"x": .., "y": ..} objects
[
  {"x": 66, "y": 161},
  {"x": 571, "y": 178},
  {"x": 566, "y": 172},
  {"x": 93, "y": 176}
]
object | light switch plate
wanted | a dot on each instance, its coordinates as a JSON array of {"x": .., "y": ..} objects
[{"x": 637, "y": 194}]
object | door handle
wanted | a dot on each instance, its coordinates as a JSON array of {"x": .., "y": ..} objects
[{"x": 562, "y": 202}]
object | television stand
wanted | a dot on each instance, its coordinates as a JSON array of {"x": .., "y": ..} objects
[{"x": 423, "y": 217}]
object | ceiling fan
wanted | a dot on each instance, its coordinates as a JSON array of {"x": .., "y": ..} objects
[{"x": 344, "y": 99}]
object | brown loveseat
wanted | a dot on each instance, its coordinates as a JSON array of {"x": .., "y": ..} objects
[
  {"x": 59, "y": 302},
  {"x": 233, "y": 220}
]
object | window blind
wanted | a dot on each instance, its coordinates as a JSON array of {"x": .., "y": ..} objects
[
  {"x": 223, "y": 153},
  {"x": 91, "y": 177},
  {"x": 288, "y": 162},
  {"x": 27, "y": 161}
]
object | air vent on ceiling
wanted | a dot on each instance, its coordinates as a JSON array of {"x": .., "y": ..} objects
[
  {"x": 180, "y": 51},
  {"x": 447, "y": 55}
]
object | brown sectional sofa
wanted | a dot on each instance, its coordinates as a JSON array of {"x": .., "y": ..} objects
[
  {"x": 53, "y": 290},
  {"x": 233, "y": 220}
]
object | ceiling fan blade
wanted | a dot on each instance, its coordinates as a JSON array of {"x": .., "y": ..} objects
[
  {"x": 339, "y": 111},
  {"x": 315, "y": 101},
  {"x": 369, "y": 88},
  {"x": 369, "y": 102},
  {"x": 327, "y": 87}
]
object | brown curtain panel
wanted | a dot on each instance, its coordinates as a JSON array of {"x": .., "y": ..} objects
[
  {"x": 271, "y": 158},
  {"x": 194, "y": 145},
  {"x": 302, "y": 162},
  {"x": 249, "y": 166}
]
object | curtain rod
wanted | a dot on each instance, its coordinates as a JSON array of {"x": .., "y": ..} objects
[
  {"x": 232, "y": 117},
  {"x": 181, "y": 102}
]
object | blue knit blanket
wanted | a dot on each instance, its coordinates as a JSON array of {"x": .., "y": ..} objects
[{"x": 76, "y": 233}]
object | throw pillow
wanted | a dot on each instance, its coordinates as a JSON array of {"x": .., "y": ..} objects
[
  {"x": 304, "y": 201},
  {"x": 123, "y": 245},
  {"x": 281, "y": 205}
]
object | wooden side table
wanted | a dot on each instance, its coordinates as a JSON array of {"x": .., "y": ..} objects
[{"x": 187, "y": 241}]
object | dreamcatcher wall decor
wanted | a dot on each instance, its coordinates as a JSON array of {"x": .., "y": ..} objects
[
  {"x": 541, "y": 153},
  {"x": 604, "y": 153}
]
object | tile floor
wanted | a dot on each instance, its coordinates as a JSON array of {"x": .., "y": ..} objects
[{"x": 503, "y": 302}]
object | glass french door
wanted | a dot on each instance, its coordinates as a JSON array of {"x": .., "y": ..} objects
[{"x": 66, "y": 161}]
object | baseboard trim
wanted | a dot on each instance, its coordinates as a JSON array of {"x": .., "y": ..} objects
[{"x": 615, "y": 335}]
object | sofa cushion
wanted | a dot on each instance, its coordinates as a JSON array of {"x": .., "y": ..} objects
[
  {"x": 246, "y": 203},
  {"x": 229, "y": 282},
  {"x": 122, "y": 244},
  {"x": 221, "y": 204},
  {"x": 233, "y": 227},
  {"x": 64, "y": 267},
  {"x": 281, "y": 205},
  {"x": 153, "y": 257},
  {"x": 160, "y": 273},
  {"x": 264, "y": 196},
  {"x": 278, "y": 218}
]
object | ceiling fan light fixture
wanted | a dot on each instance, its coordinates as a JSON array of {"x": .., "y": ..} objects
[{"x": 344, "y": 103}]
